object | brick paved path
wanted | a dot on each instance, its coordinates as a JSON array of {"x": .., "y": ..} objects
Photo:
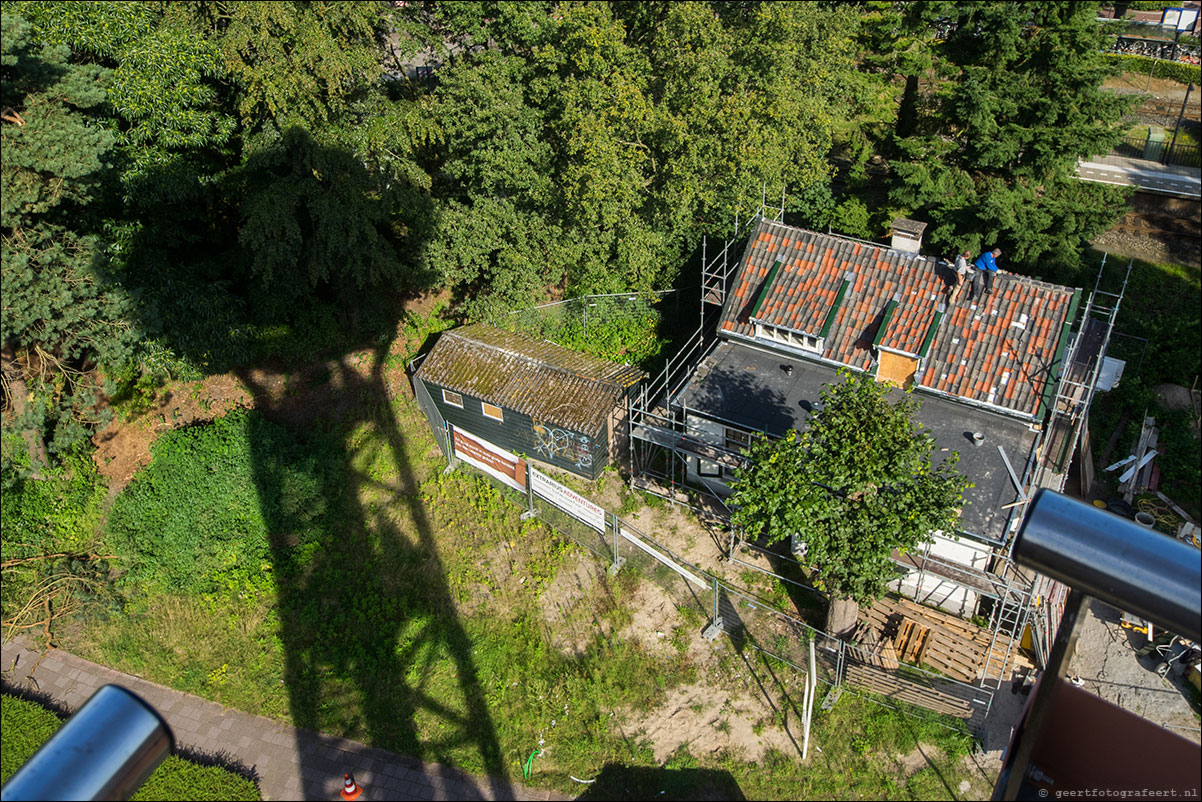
[{"x": 291, "y": 763}]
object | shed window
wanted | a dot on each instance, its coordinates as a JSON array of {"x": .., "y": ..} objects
[
  {"x": 491, "y": 411},
  {"x": 454, "y": 399}
]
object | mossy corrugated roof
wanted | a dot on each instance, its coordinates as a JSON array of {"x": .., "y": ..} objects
[{"x": 548, "y": 382}]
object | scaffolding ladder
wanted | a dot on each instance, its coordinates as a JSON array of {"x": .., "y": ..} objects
[
  {"x": 1079, "y": 376},
  {"x": 1009, "y": 619}
]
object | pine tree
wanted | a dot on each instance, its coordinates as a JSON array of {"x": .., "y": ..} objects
[
  {"x": 997, "y": 119},
  {"x": 61, "y": 317}
]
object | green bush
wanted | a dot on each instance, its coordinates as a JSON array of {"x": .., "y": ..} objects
[
  {"x": 28, "y": 725},
  {"x": 198, "y": 518},
  {"x": 1172, "y": 70},
  {"x": 58, "y": 514}
]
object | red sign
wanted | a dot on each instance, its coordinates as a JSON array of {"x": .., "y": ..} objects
[{"x": 494, "y": 461}]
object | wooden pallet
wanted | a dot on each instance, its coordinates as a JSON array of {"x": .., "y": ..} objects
[
  {"x": 911, "y": 641},
  {"x": 879, "y": 682},
  {"x": 941, "y": 641}
]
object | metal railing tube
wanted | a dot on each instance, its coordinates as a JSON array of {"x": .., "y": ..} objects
[
  {"x": 105, "y": 751},
  {"x": 1138, "y": 570}
]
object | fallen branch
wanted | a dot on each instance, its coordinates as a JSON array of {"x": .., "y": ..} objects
[{"x": 39, "y": 557}]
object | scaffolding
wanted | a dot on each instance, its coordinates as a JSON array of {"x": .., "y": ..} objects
[
  {"x": 1016, "y": 602},
  {"x": 1069, "y": 416}
]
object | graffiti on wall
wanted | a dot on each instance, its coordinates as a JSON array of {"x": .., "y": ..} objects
[{"x": 553, "y": 442}]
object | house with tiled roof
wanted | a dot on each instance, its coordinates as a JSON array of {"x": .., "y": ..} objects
[
  {"x": 797, "y": 306},
  {"x": 872, "y": 308}
]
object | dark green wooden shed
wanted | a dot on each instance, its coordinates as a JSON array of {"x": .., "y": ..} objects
[{"x": 531, "y": 397}]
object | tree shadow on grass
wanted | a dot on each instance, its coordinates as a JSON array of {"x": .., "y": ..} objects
[{"x": 373, "y": 648}]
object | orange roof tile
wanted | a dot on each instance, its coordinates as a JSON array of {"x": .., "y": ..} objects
[{"x": 1014, "y": 333}]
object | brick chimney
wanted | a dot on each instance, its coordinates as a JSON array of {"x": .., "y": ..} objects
[{"x": 907, "y": 235}]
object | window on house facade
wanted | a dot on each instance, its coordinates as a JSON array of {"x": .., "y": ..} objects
[
  {"x": 737, "y": 440},
  {"x": 454, "y": 399},
  {"x": 491, "y": 411},
  {"x": 707, "y": 468}
]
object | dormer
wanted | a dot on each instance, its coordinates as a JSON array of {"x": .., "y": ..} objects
[{"x": 781, "y": 318}]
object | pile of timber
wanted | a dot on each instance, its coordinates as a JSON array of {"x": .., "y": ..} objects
[
  {"x": 1143, "y": 474},
  {"x": 871, "y": 649},
  {"x": 941, "y": 641},
  {"x": 940, "y": 697}
]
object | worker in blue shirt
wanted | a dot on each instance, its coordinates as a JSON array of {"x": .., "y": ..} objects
[{"x": 982, "y": 280}]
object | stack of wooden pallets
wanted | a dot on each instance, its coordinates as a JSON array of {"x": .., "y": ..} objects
[{"x": 941, "y": 641}]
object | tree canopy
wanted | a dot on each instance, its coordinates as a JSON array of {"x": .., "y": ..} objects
[
  {"x": 858, "y": 483},
  {"x": 181, "y": 180},
  {"x": 588, "y": 146},
  {"x": 993, "y": 121},
  {"x": 61, "y": 315}
]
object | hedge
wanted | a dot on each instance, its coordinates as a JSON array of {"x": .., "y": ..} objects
[
  {"x": 27, "y": 725},
  {"x": 1172, "y": 70}
]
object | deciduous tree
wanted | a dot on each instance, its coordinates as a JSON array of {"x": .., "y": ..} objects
[{"x": 855, "y": 485}]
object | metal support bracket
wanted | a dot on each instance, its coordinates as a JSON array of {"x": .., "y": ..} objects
[{"x": 831, "y": 697}]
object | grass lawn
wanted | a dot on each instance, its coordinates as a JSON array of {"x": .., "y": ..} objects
[
  {"x": 27, "y": 725},
  {"x": 331, "y": 576}
]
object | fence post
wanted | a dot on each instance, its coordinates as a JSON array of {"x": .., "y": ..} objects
[
  {"x": 452, "y": 460},
  {"x": 619, "y": 560},
  {"x": 715, "y": 627},
  {"x": 840, "y": 665},
  {"x": 1168, "y": 156},
  {"x": 530, "y": 510}
]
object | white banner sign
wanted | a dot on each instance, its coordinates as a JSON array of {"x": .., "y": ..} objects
[
  {"x": 663, "y": 558},
  {"x": 570, "y": 502},
  {"x": 494, "y": 461}
]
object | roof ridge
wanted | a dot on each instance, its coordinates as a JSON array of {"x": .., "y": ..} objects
[{"x": 538, "y": 361}]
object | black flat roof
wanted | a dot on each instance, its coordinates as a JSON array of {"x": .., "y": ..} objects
[{"x": 749, "y": 388}]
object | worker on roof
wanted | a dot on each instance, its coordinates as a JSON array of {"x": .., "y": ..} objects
[
  {"x": 964, "y": 271},
  {"x": 982, "y": 280}
]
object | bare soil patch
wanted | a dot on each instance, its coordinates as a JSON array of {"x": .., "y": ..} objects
[
  {"x": 707, "y": 716},
  {"x": 1175, "y": 250},
  {"x": 1159, "y": 88},
  {"x": 568, "y": 604}
]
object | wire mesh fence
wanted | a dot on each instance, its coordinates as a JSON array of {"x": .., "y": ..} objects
[{"x": 749, "y": 621}]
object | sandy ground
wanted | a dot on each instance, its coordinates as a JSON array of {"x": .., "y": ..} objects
[{"x": 1158, "y": 88}]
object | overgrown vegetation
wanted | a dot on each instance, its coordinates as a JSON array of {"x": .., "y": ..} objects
[
  {"x": 28, "y": 725},
  {"x": 224, "y": 207},
  {"x": 53, "y": 559},
  {"x": 1161, "y": 308},
  {"x": 213, "y": 498}
]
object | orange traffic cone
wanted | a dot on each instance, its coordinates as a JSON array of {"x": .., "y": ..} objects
[{"x": 350, "y": 791}]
